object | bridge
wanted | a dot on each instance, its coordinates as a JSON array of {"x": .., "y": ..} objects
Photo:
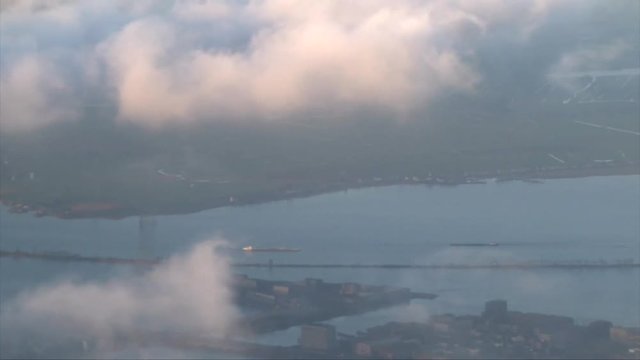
[{"x": 68, "y": 257}]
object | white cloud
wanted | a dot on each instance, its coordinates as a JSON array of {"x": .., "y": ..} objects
[
  {"x": 188, "y": 293},
  {"x": 585, "y": 59},
  {"x": 324, "y": 55},
  {"x": 177, "y": 62},
  {"x": 201, "y": 10},
  {"x": 527, "y": 14},
  {"x": 50, "y": 13},
  {"x": 594, "y": 57},
  {"x": 33, "y": 94}
]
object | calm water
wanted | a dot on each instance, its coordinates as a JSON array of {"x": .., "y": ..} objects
[{"x": 561, "y": 220}]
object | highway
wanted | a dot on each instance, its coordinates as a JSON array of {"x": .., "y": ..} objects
[{"x": 607, "y": 128}]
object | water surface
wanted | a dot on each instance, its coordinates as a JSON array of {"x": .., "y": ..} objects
[{"x": 569, "y": 220}]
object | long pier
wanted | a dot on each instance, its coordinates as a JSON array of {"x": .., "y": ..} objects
[{"x": 67, "y": 257}]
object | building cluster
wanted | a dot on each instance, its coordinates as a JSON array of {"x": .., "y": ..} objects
[
  {"x": 312, "y": 293},
  {"x": 18, "y": 207},
  {"x": 281, "y": 304},
  {"x": 497, "y": 333},
  {"x": 78, "y": 210}
]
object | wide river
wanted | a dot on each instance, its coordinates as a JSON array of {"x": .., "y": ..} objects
[{"x": 568, "y": 220}]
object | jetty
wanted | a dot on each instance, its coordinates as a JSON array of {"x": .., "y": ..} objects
[{"x": 580, "y": 264}]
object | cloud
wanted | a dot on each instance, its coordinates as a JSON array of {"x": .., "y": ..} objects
[
  {"x": 181, "y": 62},
  {"x": 57, "y": 11},
  {"x": 598, "y": 57},
  {"x": 188, "y": 293},
  {"x": 413, "y": 312},
  {"x": 201, "y": 11},
  {"x": 33, "y": 94},
  {"x": 305, "y": 57}
]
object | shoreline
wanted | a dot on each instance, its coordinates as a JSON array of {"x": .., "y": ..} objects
[{"x": 526, "y": 175}]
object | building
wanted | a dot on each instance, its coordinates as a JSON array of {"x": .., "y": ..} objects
[
  {"x": 350, "y": 289},
  {"x": 629, "y": 336},
  {"x": 281, "y": 290},
  {"x": 244, "y": 281},
  {"x": 599, "y": 329},
  {"x": 317, "y": 337},
  {"x": 495, "y": 311},
  {"x": 389, "y": 348},
  {"x": 313, "y": 284}
]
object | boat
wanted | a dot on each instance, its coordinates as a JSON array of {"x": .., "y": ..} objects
[
  {"x": 474, "y": 244},
  {"x": 275, "y": 249}
]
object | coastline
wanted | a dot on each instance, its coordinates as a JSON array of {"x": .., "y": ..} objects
[{"x": 116, "y": 212}]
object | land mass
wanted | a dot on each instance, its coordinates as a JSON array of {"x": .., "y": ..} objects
[
  {"x": 100, "y": 168},
  {"x": 115, "y": 210}
]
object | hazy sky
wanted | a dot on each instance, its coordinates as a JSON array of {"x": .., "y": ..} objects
[{"x": 162, "y": 62}]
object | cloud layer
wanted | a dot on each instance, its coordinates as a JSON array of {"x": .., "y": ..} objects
[
  {"x": 300, "y": 57},
  {"x": 188, "y": 293},
  {"x": 177, "y": 62}
]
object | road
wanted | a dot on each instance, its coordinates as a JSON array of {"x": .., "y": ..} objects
[{"x": 610, "y": 128}]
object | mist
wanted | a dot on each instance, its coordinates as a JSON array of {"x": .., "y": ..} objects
[{"x": 189, "y": 293}]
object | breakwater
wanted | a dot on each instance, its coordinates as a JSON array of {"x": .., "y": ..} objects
[{"x": 68, "y": 257}]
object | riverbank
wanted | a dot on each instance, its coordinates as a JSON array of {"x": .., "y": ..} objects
[{"x": 111, "y": 210}]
